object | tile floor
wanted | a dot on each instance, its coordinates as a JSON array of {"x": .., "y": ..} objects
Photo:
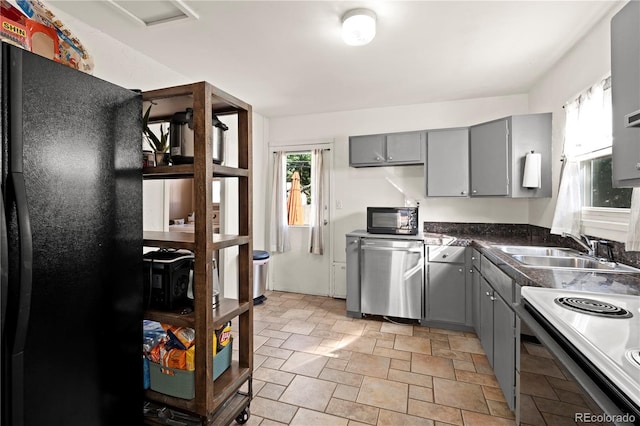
[{"x": 313, "y": 365}]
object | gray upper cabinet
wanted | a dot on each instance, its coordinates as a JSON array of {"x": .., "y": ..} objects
[
  {"x": 625, "y": 90},
  {"x": 489, "y": 151},
  {"x": 447, "y": 163},
  {"x": 386, "y": 150},
  {"x": 497, "y": 151}
]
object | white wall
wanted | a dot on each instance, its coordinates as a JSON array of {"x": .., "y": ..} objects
[
  {"x": 358, "y": 188},
  {"x": 588, "y": 62}
]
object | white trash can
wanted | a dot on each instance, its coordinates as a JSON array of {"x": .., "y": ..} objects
[{"x": 260, "y": 270}]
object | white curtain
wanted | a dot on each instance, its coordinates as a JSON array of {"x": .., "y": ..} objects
[
  {"x": 279, "y": 232},
  {"x": 587, "y": 129},
  {"x": 318, "y": 200},
  {"x": 633, "y": 234}
]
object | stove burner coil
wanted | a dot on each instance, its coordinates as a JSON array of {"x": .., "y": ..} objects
[
  {"x": 633, "y": 355},
  {"x": 593, "y": 307}
]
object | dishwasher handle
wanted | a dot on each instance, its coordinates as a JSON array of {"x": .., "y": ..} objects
[{"x": 387, "y": 248}]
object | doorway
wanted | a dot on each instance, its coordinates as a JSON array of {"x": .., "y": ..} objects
[{"x": 297, "y": 270}]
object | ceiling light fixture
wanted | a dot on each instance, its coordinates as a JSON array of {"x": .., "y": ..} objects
[{"x": 358, "y": 27}]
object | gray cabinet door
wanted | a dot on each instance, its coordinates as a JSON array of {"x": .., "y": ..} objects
[
  {"x": 367, "y": 150},
  {"x": 504, "y": 343},
  {"x": 446, "y": 294},
  {"x": 489, "y": 158},
  {"x": 625, "y": 90},
  {"x": 486, "y": 319},
  {"x": 353, "y": 276},
  {"x": 447, "y": 163},
  {"x": 475, "y": 299},
  {"x": 404, "y": 148}
]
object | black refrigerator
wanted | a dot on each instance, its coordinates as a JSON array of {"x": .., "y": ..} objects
[{"x": 71, "y": 246}]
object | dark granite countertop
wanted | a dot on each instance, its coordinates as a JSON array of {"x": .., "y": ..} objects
[{"x": 601, "y": 282}]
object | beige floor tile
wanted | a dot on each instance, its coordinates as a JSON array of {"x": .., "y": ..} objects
[
  {"x": 463, "y": 365},
  {"x": 355, "y": 328},
  {"x": 432, "y": 366},
  {"x": 297, "y": 314},
  {"x": 392, "y": 418},
  {"x": 337, "y": 364},
  {"x": 406, "y": 330},
  {"x": 327, "y": 334},
  {"x": 306, "y": 417},
  {"x": 305, "y": 364},
  {"x": 298, "y": 327},
  {"x": 482, "y": 364},
  {"x": 272, "y": 410},
  {"x": 384, "y": 394},
  {"x": 392, "y": 353},
  {"x": 274, "y": 352},
  {"x": 494, "y": 394},
  {"x": 271, "y": 391},
  {"x": 269, "y": 422},
  {"x": 413, "y": 344},
  {"x": 273, "y": 376},
  {"x": 466, "y": 396},
  {"x": 258, "y": 341},
  {"x": 410, "y": 378},
  {"x": 354, "y": 423},
  {"x": 445, "y": 331},
  {"x": 349, "y": 393},
  {"x": 379, "y": 336},
  {"x": 369, "y": 365},
  {"x": 274, "y": 343},
  {"x": 298, "y": 342},
  {"x": 337, "y": 376},
  {"x": 539, "y": 365},
  {"x": 421, "y": 393},
  {"x": 257, "y": 359},
  {"x": 436, "y": 412},
  {"x": 273, "y": 363},
  {"x": 466, "y": 344},
  {"x": 353, "y": 411},
  {"x": 500, "y": 409},
  {"x": 309, "y": 393},
  {"x": 477, "y": 378},
  {"x": 451, "y": 354},
  {"x": 361, "y": 344},
  {"x": 275, "y": 334},
  {"x": 418, "y": 332},
  {"x": 440, "y": 345},
  {"x": 399, "y": 364},
  {"x": 477, "y": 419}
]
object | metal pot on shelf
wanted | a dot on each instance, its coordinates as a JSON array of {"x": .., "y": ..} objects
[{"x": 182, "y": 138}]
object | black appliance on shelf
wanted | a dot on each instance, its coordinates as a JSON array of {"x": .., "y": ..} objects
[
  {"x": 70, "y": 246},
  {"x": 168, "y": 279},
  {"x": 392, "y": 220}
]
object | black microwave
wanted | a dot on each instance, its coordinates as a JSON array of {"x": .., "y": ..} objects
[{"x": 392, "y": 220}]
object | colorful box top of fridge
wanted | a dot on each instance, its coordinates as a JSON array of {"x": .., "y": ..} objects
[{"x": 30, "y": 25}]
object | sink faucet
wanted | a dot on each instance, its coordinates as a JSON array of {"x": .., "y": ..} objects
[{"x": 583, "y": 241}]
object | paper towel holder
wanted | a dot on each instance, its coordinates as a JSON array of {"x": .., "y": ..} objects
[{"x": 532, "y": 173}]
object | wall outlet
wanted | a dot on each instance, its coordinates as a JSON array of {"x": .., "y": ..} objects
[{"x": 338, "y": 204}]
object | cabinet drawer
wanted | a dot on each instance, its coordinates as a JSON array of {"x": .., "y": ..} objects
[
  {"x": 500, "y": 281},
  {"x": 446, "y": 254}
]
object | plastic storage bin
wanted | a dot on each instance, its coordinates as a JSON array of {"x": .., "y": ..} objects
[
  {"x": 260, "y": 270},
  {"x": 181, "y": 383}
]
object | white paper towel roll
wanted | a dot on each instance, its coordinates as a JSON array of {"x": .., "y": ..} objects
[{"x": 532, "y": 176}]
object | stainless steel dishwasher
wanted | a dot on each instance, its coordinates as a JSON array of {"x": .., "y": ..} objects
[{"x": 392, "y": 277}]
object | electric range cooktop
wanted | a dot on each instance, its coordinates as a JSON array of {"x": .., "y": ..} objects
[{"x": 603, "y": 327}]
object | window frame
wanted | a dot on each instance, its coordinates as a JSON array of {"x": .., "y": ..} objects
[{"x": 603, "y": 222}]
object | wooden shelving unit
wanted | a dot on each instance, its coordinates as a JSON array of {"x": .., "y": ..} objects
[{"x": 215, "y": 401}]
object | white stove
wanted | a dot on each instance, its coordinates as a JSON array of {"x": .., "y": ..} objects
[{"x": 603, "y": 327}]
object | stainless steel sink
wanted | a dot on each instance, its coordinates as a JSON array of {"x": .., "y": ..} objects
[
  {"x": 574, "y": 263},
  {"x": 539, "y": 251}
]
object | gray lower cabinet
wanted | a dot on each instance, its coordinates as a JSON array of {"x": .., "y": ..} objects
[
  {"x": 447, "y": 163},
  {"x": 498, "y": 328},
  {"x": 475, "y": 291},
  {"x": 447, "y": 295},
  {"x": 497, "y": 150},
  {"x": 393, "y": 149},
  {"x": 353, "y": 276},
  {"x": 625, "y": 92}
]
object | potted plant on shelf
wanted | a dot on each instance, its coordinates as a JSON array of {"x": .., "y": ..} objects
[{"x": 159, "y": 145}]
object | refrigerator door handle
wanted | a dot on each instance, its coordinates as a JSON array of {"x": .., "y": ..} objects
[{"x": 4, "y": 264}]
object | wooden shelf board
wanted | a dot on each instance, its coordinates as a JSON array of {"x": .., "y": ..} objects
[
  {"x": 185, "y": 171},
  {"x": 227, "y": 414},
  {"x": 186, "y": 240},
  {"x": 226, "y": 310},
  {"x": 224, "y": 387}
]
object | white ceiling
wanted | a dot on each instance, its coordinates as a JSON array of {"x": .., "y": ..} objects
[{"x": 287, "y": 57}]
